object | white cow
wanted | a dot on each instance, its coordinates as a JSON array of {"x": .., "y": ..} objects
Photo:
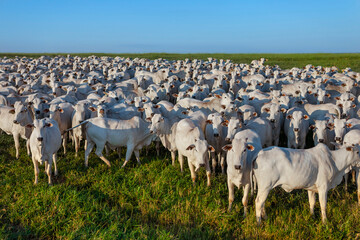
[
  {"x": 296, "y": 127},
  {"x": 190, "y": 142},
  {"x": 316, "y": 169},
  {"x": 133, "y": 133},
  {"x": 45, "y": 141},
  {"x": 240, "y": 156}
]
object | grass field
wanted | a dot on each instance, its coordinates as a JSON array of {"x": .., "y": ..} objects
[
  {"x": 156, "y": 200},
  {"x": 341, "y": 60}
]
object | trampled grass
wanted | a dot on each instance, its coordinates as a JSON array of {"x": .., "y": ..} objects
[
  {"x": 156, "y": 200},
  {"x": 341, "y": 60}
]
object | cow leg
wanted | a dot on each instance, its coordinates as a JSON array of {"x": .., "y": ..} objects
[
  {"x": 192, "y": 171},
  {"x": 312, "y": 200},
  {"x": 98, "y": 152},
  {"x": 353, "y": 173},
  {"x": 323, "y": 200},
  {"x": 181, "y": 161},
  {"x": 77, "y": 145},
  {"x": 28, "y": 147},
  {"x": 173, "y": 156},
  {"x": 55, "y": 167},
  {"x": 64, "y": 141},
  {"x": 260, "y": 203},
  {"x": 208, "y": 172},
  {"x": 48, "y": 172},
  {"x": 222, "y": 163},
  {"x": 245, "y": 198},
  {"x": 89, "y": 147},
  {"x": 17, "y": 144},
  {"x": 157, "y": 146},
  {"x": 231, "y": 194},
  {"x": 36, "y": 170},
  {"x": 346, "y": 177},
  {"x": 85, "y": 145},
  {"x": 107, "y": 150},
  {"x": 129, "y": 151},
  {"x": 137, "y": 155},
  {"x": 213, "y": 160},
  {"x": 358, "y": 184}
]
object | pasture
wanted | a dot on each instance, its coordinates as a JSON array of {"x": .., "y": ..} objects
[{"x": 156, "y": 200}]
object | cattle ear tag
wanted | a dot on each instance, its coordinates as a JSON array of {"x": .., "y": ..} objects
[
  {"x": 12, "y": 111},
  {"x": 250, "y": 147},
  {"x": 227, "y": 147},
  {"x": 349, "y": 149}
]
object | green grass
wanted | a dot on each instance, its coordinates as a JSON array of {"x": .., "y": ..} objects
[
  {"x": 341, "y": 60},
  {"x": 154, "y": 200}
]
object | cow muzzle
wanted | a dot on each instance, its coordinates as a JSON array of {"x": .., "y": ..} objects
[
  {"x": 227, "y": 140},
  {"x": 321, "y": 141},
  {"x": 40, "y": 139},
  {"x": 338, "y": 139},
  {"x": 296, "y": 129},
  {"x": 272, "y": 120},
  {"x": 37, "y": 111},
  {"x": 216, "y": 135},
  {"x": 237, "y": 167},
  {"x": 202, "y": 165},
  {"x": 16, "y": 122}
]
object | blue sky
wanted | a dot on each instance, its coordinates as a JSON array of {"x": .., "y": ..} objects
[{"x": 134, "y": 26}]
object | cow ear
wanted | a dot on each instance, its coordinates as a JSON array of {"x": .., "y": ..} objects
[
  {"x": 30, "y": 125},
  {"x": 225, "y": 124},
  {"x": 328, "y": 95},
  {"x": 250, "y": 147},
  {"x": 48, "y": 124},
  {"x": 61, "y": 110},
  {"x": 289, "y": 117},
  {"x": 340, "y": 105},
  {"x": 175, "y": 95},
  {"x": 283, "y": 110},
  {"x": 157, "y": 106},
  {"x": 252, "y": 98},
  {"x": 312, "y": 127},
  {"x": 255, "y": 114},
  {"x": 353, "y": 106},
  {"x": 209, "y": 122},
  {"x": 211, "y": 149},
  {"x": 316, "y": 95},
  {"x": 348, "y": 125},
  {"x": 46, "y": 110},
  {"x": 191, "y": 147},
  {"x": 140, "y": 109},
  {"x": 227, "y": 147},
  {"x": 267, "y": 110},
  {"x": 132, "y": 102},
  {"x": 337, "y": 98},
  {"x": 330, "y": 126},
  {"x": 306, "y": 117},
  {"x": 349, "y": 149},
  {"x": 92, "y": 109},
  {"x": 30, "y": 103},
  {"x": 217, "y": 95},
  {"x": 12, "y": 111},
  {"x": 148, "y": 119},
  {"x": 352, "y": 99}
]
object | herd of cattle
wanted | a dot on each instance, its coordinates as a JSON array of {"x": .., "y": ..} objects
[{"x": 232, "y": 115}]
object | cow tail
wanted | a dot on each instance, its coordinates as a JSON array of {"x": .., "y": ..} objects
[{"x": 83, "y": 122}]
